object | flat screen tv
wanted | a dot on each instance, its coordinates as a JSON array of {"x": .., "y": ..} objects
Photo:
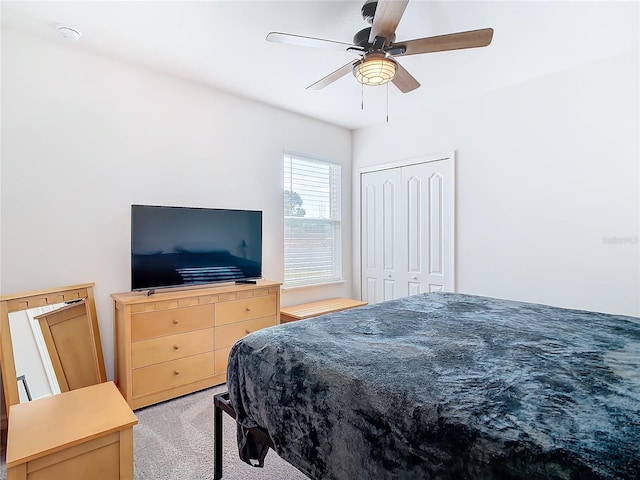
[{"x": 184, "y": 246}]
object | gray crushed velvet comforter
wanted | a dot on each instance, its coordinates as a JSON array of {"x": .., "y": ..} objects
[{"x": 445, "y": 386}]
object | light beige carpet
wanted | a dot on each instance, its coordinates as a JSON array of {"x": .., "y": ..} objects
[{"x": 174, "y": 441}]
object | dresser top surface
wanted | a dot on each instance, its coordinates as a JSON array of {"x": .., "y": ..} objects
[{"x": 175, "y": 294}]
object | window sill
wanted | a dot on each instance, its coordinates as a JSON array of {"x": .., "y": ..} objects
[{"x": 286, "y": 288}]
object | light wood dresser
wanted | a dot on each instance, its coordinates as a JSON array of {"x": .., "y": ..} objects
[
  {"x": 83, "y": 433},
  {"x": 176, "y": 342}
]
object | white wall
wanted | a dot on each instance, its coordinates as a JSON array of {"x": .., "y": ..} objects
[
  {"x": 547, "y": 185},
  {"x": 84, "y": 137}
]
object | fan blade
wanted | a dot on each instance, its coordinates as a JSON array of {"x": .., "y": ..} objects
[
  {"x": 332, "y": 77},
  {"x": 386, "y": 19},
  {"x": 309, "y": 41},
  {"x": 404, "y": 80},
  {"x": 441, "y": 43}
]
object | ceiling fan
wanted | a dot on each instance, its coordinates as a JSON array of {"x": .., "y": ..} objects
[{"x": 378, "y": 48}]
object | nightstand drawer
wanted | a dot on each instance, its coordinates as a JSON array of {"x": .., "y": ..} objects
[
  {"x": 227, "y": 335},
  {"x": 169, "y": 322},
  {"x": 167, "y": 375},
  {"x": 245, "y": 309},
  {"x": 170, "y": 347}
]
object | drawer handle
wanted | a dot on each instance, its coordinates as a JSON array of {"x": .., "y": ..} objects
[
  {"x": 248, "y": 309},
  {"x": 176, "y": 347},
  {"x": 175, "y": 321},
  {"x": 176, "y": 372},
  {"x": 247, "y": 331}
]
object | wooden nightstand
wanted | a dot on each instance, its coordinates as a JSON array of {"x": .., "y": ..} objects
[{"x": 84, "y": 433}]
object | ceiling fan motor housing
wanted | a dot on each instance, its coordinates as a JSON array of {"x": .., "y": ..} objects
[{"x": 362, "y": 38}]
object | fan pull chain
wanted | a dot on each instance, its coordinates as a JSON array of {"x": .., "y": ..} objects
[
  {"x": 387, "y": 102},
  {"x": 362, "y": 96}
]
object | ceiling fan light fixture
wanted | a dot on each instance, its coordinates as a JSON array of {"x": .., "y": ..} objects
[{"x": 375, "y": 69}]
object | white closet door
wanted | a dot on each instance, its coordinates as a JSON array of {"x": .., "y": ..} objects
[
  {"x": 407, "y": 230},
  {"x": 382, "y": 218},
  {"x": 427, "y": 191}
]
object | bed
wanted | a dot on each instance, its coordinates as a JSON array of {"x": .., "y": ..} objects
[{"x": 443, "y": 386}]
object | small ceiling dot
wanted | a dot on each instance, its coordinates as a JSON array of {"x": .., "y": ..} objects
[{"x": 68, "y": 33}]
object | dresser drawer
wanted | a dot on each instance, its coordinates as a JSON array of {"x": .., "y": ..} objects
[
  {"x": 170, "y": 347},
  {"x": 163, "y": 376},
  {"x": 244, "y": 309},
  {"x": 168, "y": 322},
  {"x": 227, "y": 335}
]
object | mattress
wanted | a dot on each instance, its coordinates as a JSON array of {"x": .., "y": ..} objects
[{"x": 444, "y": 386}]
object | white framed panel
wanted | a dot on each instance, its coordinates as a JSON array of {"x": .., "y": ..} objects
[{"x": 419, "y": 234}]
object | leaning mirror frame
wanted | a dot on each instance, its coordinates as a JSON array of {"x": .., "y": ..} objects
[{"x": 25, "y": 301}]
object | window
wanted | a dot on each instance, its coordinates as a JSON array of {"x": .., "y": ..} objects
[{"x": 311, "y": 222}]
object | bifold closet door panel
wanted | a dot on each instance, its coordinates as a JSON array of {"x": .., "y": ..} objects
[{"x": 407, "y": 221}]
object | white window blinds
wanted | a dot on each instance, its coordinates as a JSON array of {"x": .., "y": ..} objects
[{"x": 311, "y": 222}]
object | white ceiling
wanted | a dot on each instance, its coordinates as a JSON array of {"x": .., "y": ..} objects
[{"x": 222, "y": 44}]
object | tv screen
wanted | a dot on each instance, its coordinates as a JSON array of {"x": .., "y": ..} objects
[{"x": 181, "y": 246}]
